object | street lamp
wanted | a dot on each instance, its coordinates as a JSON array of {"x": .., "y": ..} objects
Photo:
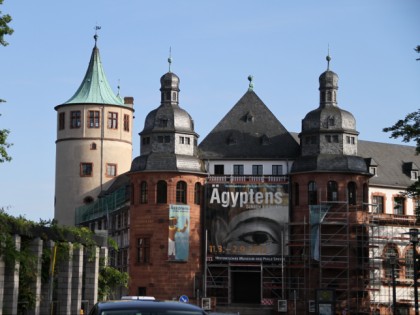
[
  {"x": 393, "y": 262},
  {"x": 414, "y": 239}
]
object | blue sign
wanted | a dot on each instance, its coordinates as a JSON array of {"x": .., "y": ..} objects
[{"x": 183, "y": 298}]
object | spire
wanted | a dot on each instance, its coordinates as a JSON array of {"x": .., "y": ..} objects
[{"x": 95, "y": 87}]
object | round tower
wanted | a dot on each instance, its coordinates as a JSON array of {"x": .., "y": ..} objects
[
  {"x": 94, "y": 141},
  {"x": 165, "y": 213}
]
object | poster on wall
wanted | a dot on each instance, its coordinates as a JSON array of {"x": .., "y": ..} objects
[
  {"x": 246, "y": 222},
  {"x": 179, "y": 232}
]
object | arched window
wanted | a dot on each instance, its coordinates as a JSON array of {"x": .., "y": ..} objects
[
  {"x": 332, "y": 191},
  {"x": 181, "y": 192},
  {"x": 197, "y": 193},
  {"x": 161, "y": 191},
  {"x": 351, "y": 191},
  {"x": 131, "y": 194},
  {"x": 389, "y": 252},
  {"x": 312, "y": 193},
  {"x": 143, "y": 192}
]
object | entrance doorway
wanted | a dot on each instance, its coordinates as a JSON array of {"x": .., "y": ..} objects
[{"x": 246, "y": 287}]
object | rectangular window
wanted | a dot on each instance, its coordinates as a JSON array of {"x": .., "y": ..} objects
[
  {"x": 61, "y": 121},
  {"x": 86, "y": 169},
  {"x": 143, "y": 250},
  {"x": 257, "y": 169},
  {"x": 378, "y": 204},
  {"x": 160, "y": 139},
  {"x": 126, "y": 122},
  {"x": 277, "y": 170},
  {"x": 111, "y": 170},
  {"x": 187, "y": 140},
  {"x": 181, "y": 140},
  {"x": 112, "y": 120},
  {"x": 399, "y": 205},
  {"x": 335, "y": 138},
  {"x": 414, "y": 175},
  {"x": 146, "y": 140},
  {"x": 328, "y": 138},
  {"x": 238, "y": 169},
  {"x": 219, "y": 169},
  {"x": 75, "y": 119},
  {"x": 93, "y": 119}
]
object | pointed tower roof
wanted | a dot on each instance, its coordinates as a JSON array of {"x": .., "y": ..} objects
[
  {"x": 249, "y": 131},
  {"x": 95, "y": 87}
]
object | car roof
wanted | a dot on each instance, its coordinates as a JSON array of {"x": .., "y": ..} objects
[{"x": 146, "y": 304}]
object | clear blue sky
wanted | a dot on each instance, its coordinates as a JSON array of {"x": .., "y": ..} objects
[{"x": 215, "y": 46}]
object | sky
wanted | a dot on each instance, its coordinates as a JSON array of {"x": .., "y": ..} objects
[{"x": 215, "y": 45}]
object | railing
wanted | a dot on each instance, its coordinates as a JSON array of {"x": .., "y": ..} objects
[
  {"x": 247, "y": 179},
  {"x": 102, "y": 206}
]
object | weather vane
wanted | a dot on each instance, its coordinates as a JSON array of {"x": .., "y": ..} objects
[
  {"x": 170, "y": 58},
  {"x": 96, "y": 28}
]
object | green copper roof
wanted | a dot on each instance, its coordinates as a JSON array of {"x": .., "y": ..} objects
[{"x": 95, "y": 87}]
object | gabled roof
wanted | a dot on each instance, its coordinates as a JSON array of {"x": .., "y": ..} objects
[
  {"x": 391, "y": 160},
  {"x": 95, "y": 87},
  {"x": 249, "y": 131}
]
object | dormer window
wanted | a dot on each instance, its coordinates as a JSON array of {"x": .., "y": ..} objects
[
  {"x": 249, "y": 117},
  {"x": 331, "y": 121},
  {"x": 414, "y": 175},
  {"x": 373, "y": 170},
  {"x": 163, "y": 122}
]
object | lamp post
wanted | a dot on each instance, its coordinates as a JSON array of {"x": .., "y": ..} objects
[
  {"x": 414, "y": 239},
  {"x": 392, "y": 262}
]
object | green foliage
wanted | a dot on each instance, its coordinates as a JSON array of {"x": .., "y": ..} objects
[
  {"x": 408, "y": 129},
  {"x": 5, "y": 29},
  {"x": 110, "y": 279}
]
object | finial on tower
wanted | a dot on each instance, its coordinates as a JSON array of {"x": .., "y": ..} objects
[
  {"x": 170, "y": 58},
  {"x": 328, "y": 58},
  {"x": 96, "y": 28},
  {"x": 118, "y": 87},
  {"x": 251, "y": 85}
]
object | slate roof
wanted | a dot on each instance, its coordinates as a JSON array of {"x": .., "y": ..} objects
[
  {"x": 249, "y": 131},
  {"x": 392, "y": 160},
  {"x": 95, "y": 87}
]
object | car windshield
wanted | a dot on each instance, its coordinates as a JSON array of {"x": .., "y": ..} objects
[{"x": 153, "y": 312}]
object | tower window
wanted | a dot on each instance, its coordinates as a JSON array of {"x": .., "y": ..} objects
[
  {"x": 86, "y": 169},
  {"x": 351, "y": 191},
  {"x": 112, "y": 120},
  {"x": 312, "y": 193},
  {"x": 174, "y": 96},
  {"x": 93, "y": 119},
  {"x": 143, "y": 250},
  {"x": 161, "y": 192},
  {"x": 328, "y": 138},
  {"x": 181, "y": 140},
  {"x": 163, "y": 122},
  {"x": 75, "y": 119},
  {"x": 331, "y": 121},
  {"x": 146, "y": 140},
  {"x": 143, "y": 192},
  {"x": 160, "y": 139},
  {"x": 181, "y": 192},
  {"x": 93, "y": 146},
  {"x": 332, "y": 191},
  {"x": 111, "y": 170},
  {"x": 61, "y": 121},
  {"x": 126, "y": 122},
  {"x": 335, "y": 138},
  {"x": 187, "y": 140}
]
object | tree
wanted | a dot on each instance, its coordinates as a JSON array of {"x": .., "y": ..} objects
[
  {"x": 409, "y": 130},
  {"x": 5, "y": 19}
]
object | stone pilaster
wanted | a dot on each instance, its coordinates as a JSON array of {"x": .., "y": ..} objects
[
  {"x": 91, "y": 276},
  {"x": 65, "y": 270},
  {"x": 46, "y": 294},
  {"x": 77, "y": 280},
  {"x": 11, "y": 282},
  {"x": 35, "y": 248}
]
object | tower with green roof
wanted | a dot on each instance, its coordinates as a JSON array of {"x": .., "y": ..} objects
[{"x": 94, "y": 141}]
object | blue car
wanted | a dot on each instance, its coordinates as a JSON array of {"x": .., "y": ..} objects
[{"x": 145, "y": 307}]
